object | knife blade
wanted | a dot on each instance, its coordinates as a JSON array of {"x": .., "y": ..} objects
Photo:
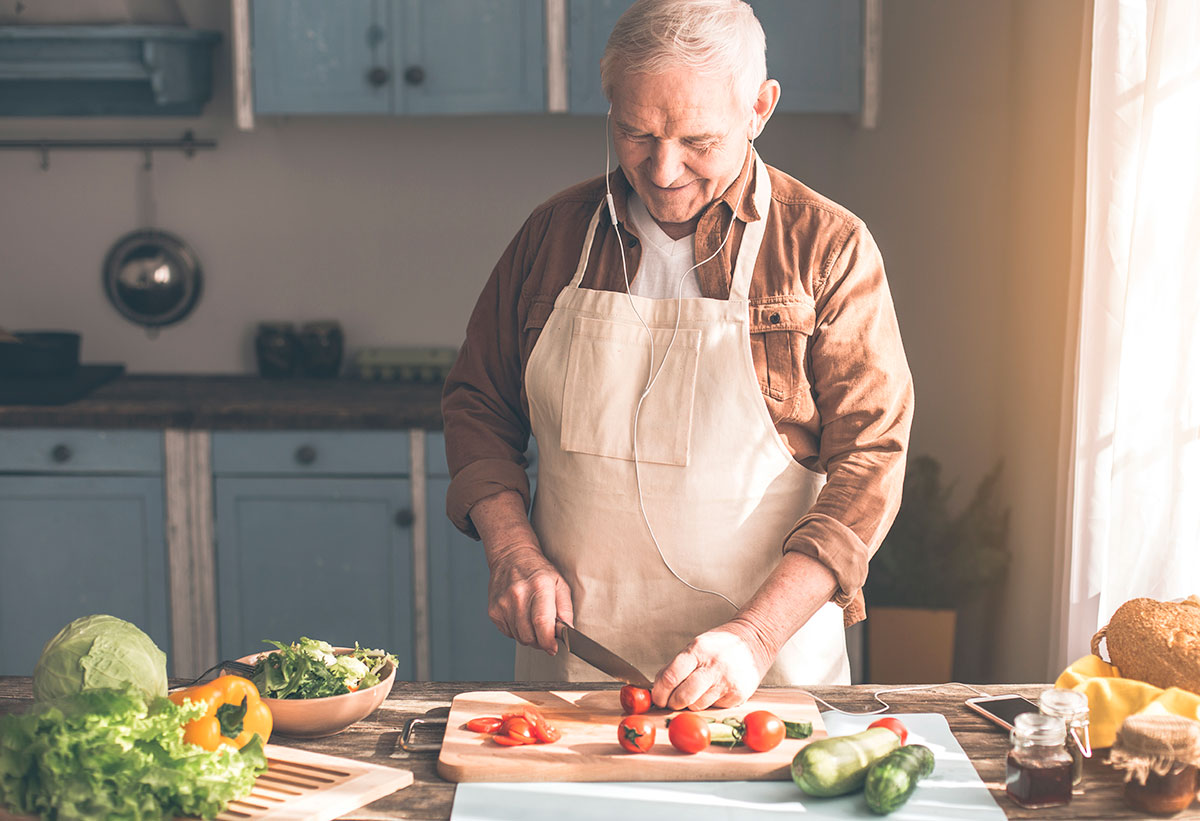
[{"x": 600, "y": 657}]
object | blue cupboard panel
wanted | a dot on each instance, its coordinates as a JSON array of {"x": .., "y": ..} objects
[
  {"x": 311, "y": 453},
  {"x": 66, "y": 450},
  {"x": 815, "y": 50},
  {"x": 470, "y": 56},
  {"x": 319, "y": 557},
  {"x": 588, "y": 26},
  {"x": 315, "y": 57},
  {"x": 464, "y": 644},
  {"x": 73, "y": 546}
]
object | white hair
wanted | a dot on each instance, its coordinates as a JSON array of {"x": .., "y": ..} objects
[{"x": 715, "y": 38}]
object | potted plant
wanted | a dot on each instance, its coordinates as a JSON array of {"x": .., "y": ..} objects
[{"x": 934, "y": 567}]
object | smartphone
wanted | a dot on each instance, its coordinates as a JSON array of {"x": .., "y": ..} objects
[{"x": 1001, "y": 710}]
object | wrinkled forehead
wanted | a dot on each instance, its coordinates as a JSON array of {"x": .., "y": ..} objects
[{"x": 676, "y": 100}]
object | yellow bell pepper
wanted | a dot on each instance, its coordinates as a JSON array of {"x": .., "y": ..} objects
[{"x": 234, "y": 713}]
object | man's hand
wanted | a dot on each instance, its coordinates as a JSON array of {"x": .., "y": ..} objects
[
  {"x": 525, "y": 596},
  {"x": 720, "y": 668},
  {"x": 525, "y": 592}
]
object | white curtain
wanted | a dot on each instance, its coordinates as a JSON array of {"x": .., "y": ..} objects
[{"x": 1133, "y": 508}]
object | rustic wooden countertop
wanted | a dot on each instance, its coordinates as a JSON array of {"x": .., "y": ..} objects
[
  {"x": 239, "y": 403},
  {"x": 377, "y": 739}
]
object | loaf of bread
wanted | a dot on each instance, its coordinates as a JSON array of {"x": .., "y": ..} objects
[{"x": 1155, "y": 642}]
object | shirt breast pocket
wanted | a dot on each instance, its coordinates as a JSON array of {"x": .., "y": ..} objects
[
  {"x": 780, "y": 330},
  {"x": 606, "y": 374}
]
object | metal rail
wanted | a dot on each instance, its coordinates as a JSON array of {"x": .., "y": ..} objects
[{"x": 188, "y": 144}]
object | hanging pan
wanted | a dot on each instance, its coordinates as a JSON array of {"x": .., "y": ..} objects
[{"x": 152, "y": 278}]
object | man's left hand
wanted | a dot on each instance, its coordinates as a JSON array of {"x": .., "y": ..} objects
[{"x": 720, "y": 668}]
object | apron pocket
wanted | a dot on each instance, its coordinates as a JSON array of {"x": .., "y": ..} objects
[{"x": 606, "y": 373}]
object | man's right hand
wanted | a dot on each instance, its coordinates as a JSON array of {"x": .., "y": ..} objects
[{"x": 526, "y": 594}]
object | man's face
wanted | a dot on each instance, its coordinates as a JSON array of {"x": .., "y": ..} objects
[{"x": 681, "y": 140}]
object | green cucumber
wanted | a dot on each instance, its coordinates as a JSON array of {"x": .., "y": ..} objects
[
  {"x": 892, "y": 779},
  {"x": 836, "y": 766}
]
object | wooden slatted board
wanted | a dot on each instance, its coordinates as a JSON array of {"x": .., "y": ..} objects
[
  {"x": 303, "y": 786},
  {"x": 589, "y": 751}
]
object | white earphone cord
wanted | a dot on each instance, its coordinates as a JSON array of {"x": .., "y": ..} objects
[{"x": 652, "y": 375}]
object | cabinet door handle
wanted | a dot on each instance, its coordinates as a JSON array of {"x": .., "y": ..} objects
[
  {"x": 306, "y": 455},
  {"x": 414, "y": 75},
  {"x": 404, "y": 518},
  {"x": 378, "y": 76},
  {"x": 60, "y": 453}
]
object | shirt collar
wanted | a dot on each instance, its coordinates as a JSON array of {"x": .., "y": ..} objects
[{"x": 745, "y": 210}]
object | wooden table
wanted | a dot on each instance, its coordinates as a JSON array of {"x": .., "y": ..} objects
[{"x": 377, "y": 739}]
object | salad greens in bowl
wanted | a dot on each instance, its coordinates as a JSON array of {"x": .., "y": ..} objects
[{"x": 315, "y": 689}]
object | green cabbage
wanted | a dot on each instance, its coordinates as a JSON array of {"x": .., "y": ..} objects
[{"x": 96, "y": 652}]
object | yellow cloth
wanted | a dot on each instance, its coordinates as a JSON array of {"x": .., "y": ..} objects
[{"x": 1111, "y": 698}]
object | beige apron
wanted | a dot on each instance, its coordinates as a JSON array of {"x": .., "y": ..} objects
[{"x": 719, "y": 486}]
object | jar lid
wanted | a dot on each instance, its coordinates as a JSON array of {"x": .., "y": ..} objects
[
  {"x": 1160, "y": 737},
  {"x": 1038, "y": 728},
  {"x": 1069, "y": 704}
]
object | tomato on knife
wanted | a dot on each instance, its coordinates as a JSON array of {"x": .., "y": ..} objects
[
  {"x": 635, "y": 700},
  {"x": 892, "y": 724},
  {"x": 636, "y": 733}
]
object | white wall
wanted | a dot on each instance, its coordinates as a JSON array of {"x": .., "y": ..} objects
[{"x": 392, "y": 225}]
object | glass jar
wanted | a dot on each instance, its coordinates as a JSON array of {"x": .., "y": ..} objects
[
  {"x": 1159, "y": 755},
  {"x": 1038, "y": 772},
  {"x": 1072, "y": 707}
]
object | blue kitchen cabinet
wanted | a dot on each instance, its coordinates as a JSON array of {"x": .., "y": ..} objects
[
  {"x": 81, "y": 532},
  {"x": 314, "y": 538},
  {"x": 399, "y": 56},
  {"x": 814, "y": 50},
  {"x": 465, "y": 645}
]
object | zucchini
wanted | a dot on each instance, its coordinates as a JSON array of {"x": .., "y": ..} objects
[
  {"x": 836, "y": 766},
  {"x": 892, "y": 779}
]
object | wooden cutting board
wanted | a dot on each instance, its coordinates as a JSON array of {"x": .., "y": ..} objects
[{"x": 589, "y": 751}]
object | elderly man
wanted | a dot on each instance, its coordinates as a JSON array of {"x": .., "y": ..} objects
[{"x": 707, "y": 355}]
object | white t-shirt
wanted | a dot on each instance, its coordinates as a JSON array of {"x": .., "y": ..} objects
[{"x": 664, "y": 260}]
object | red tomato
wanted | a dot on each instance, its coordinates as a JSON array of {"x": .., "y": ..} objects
[
  {"x": 892, "y": 724},
  {"x": 688, "y": 732},
  {"x": 636, "y": 733},
  {"x": 764, "y": 731},
  {"x": 484, "y": 724},
  {"x": 518, "y": 728},
  {"x": 635, "y": 700},
  {"x": 544, "y": 732},
  {"x": 507, "y": 741}
]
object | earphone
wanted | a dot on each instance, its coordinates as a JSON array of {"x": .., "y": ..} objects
[{"x": 653, "y": 374}]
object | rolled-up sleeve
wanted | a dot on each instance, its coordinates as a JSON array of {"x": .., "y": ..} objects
[{"x": 864, "y": 394}]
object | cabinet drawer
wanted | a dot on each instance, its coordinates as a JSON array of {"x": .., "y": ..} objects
[
  {"x": 80, "y": 451},
  {"x": 311, "y": 453}
]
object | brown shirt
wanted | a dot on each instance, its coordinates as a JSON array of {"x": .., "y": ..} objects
[{"x": 823, "y": 333}]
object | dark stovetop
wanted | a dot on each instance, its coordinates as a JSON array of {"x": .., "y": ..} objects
[{"x": 225, "y": 402}]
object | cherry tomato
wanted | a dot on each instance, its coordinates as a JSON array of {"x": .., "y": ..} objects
[
  {"x": 764, "y": 731},
  {"x": 892, "y": 724},
  {"x": 518, "y": 728},
  {"x": 688, "y": 732},
  {"x": 508, "y": 741},
  {"x": 636, "y": 733},
  {"x": 484, "y": 724},
  {"x": 544, "y": 732},
  {"x": 635, "y": 700}
]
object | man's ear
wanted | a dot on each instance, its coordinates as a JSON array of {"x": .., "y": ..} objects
[{"x": 764, "y": 106}]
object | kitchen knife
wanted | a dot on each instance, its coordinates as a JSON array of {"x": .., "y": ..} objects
[{"x": 599, "y": 656}]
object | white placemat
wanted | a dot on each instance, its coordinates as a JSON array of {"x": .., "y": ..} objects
[{"x": 953, "y": 791}]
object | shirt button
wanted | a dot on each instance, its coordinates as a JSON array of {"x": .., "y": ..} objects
[{"x": 775, "y": 320}]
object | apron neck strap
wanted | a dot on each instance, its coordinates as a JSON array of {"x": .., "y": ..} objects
[{"x": 743, "y": 270}]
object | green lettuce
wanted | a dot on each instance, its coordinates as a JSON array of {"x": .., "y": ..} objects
[
  {"x": 113, "y": 754},
  {"x": 96, "y": 652}
]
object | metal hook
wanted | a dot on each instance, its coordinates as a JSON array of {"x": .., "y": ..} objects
[
  {"x": 45, "y": 158},
  {"x": 149, "y": 154}
]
